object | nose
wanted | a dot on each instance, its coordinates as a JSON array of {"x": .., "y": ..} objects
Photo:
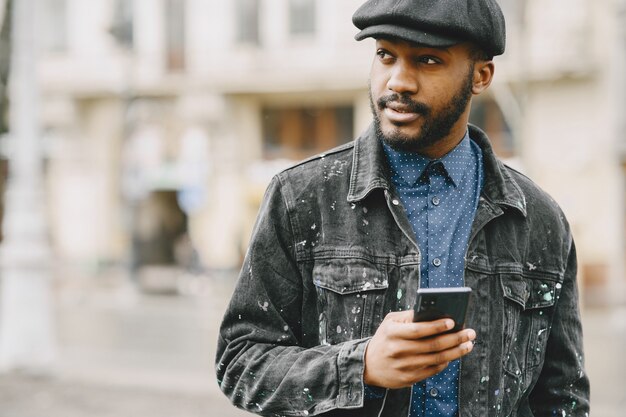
[{"x": 403, "y": 79}]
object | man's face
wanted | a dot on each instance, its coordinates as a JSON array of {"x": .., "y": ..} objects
[{"x": 420, "y": 95}]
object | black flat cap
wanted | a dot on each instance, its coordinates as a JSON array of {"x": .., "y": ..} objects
[{"x": 439, "y": 23}]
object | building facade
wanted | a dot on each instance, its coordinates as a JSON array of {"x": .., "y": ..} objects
[{"x": 165, "y": 119}]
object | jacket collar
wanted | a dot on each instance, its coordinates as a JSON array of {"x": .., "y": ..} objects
[{"x": 370, "y": 171}]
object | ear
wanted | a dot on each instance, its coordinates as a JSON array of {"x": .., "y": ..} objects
[{"x": 483, "y": 74}]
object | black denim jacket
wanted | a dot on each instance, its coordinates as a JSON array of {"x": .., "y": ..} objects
[{"x": 333, "y": 252}]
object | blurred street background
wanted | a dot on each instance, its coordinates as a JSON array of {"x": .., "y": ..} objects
[{"x": 137, "y": 139}]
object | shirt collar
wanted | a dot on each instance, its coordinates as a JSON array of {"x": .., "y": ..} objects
[
  {"x": 409, "y": 166},
  {"x": 405, "y": 166}
]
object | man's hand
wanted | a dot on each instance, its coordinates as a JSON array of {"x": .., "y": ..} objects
[{"x": 402, "y": 352}]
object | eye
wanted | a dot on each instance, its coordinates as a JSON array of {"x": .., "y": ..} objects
[
  {"x": 428, "y": 60},
  {"x": 384, "y": 55}
]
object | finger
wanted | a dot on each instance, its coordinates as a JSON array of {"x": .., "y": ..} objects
[
  {"x": 429, "y": 371},
  {"x": 445, "y": 341},
  {"x": 410, "y": 377},
  {"x": 443, "y": 357},
  {"x": 414, "y": 362},
  {"x": 419, "y": 330},
  {"x": 400, "y": 316}
]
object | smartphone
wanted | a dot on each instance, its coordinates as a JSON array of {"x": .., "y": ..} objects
[{"x": 437, "y": 303}]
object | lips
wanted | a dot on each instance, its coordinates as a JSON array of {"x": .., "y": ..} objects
[{"x": 398, "y": 113}]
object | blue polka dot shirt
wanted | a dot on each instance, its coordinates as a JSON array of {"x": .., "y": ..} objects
[{"x": 440, "y": 198}]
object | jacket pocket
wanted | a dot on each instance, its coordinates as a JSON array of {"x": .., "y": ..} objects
[
  {"x": 350, "y": 297},
  {"x": 528, "y": 308}
]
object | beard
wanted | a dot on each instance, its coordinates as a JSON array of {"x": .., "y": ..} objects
[{"x": 436, "y": 126}]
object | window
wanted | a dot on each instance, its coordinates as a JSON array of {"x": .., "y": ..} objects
[
  {"x": 54, "y": 25},
  {"x": 175, "y": 34},
  {"x": 623, "y": 259},
  {"x": 247, "y": 21},
  {"x": 122, "y": 25},
  {"x": 487, "y": 115},
  {"x": 5, "y": 63},
  {"x": 299, "y": 132},
  {"x": 301, "y": 17}
]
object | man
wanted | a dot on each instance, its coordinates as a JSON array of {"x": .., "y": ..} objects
[{"x": 321, "y": 322}]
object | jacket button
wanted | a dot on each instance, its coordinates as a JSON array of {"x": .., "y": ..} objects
[{"x": 395, "y": 202}]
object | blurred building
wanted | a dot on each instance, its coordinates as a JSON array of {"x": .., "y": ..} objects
[{"x": 165, "y": 119}]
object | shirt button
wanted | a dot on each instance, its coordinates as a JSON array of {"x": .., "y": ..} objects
[
  {"x": 436, "y": 201},
  {"x": 433, "y": 392},
  {"x": 437, "y": 262}
]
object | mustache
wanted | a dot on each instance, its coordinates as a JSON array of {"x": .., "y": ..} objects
[{"x": 413, "y": 106}]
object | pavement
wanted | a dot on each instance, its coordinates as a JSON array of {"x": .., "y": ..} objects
[{"x": 126, "y": 352}]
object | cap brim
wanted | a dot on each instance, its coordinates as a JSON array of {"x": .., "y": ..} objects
[{"x": 407, "y": 34}]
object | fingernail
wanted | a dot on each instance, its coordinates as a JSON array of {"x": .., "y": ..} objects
[
  {"x": 449, "y": 324},
  {"x": 471, "y": 334},
  {"x": 468, "y": 346}
]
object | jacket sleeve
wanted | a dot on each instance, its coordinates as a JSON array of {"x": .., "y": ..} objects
[
  {"x": 261, "y": 364},
  {"x": 563, "y": 385}
]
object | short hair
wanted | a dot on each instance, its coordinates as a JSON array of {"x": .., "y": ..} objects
[{"x": 479, "y": 54}]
